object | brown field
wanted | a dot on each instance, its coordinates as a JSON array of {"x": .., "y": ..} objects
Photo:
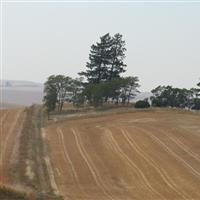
[
  {"x": 11, "y": 124},
  {"x": 23, "y": 173},
  {"x": 140, "y": 155},
  {"x": 11, "y": 121},
  {"x": 144, "y": 155}
]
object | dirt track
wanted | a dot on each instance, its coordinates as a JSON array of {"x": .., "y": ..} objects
[
  {"x": 140, "y": 155},
  {"x": 22, "y": 163},
  {"x": 10, "y": 126}
]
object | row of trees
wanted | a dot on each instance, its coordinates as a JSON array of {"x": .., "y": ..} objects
[
  {"x": 100, "y": 83},
  {"x": 168, "y": 96},
  {"x": 117, "y": 90}
]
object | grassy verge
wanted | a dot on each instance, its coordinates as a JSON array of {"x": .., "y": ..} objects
[
  {"x": 10, "y": 193},
  {"x": 32, "y": 170}
]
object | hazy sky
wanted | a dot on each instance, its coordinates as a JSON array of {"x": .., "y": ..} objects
[{"x": 162, "y": 39}]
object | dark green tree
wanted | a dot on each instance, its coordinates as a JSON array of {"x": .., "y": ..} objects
[
  {"x": 94, "y": 93},
  {"x": 196, "y": 100},
  {"x": 76, "y": 89},
  {"x": 198, "y": 89},
  {"x": 174, "y": 97},
  {"x": 196, "y": 104},
  {"x": 50, "y": 98},
  {"x": 116, "y": 90},
  {"x": 129, "y": 89},
  {"x": 117, "y": 65},
  {"x": 106, "y": 59},
  {"x": 157, "y": 99},
  {"x": 142, "y": 104},
  {"x": 56, "y": 87},
  {"x": 99, "y": 59}
]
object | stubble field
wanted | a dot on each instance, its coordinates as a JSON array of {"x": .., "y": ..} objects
[
  {"x": 137, "y": 155},
  {"x": 10, "y": 130}
]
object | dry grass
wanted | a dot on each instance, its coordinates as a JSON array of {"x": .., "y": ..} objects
[
  {"x": 22, "y": 163},
  {"x": 11, "y": 193}
]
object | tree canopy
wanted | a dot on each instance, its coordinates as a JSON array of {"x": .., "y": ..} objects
[
  {"x": 164, "y": 96},
  {"x": 106, "y": 59},
  {"x": 105, "y": 84},
  {"x": 56, "y": 89}
]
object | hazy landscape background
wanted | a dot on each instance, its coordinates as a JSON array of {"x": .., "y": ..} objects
[
  {"x": 162, "y": 39},
  {"x": 26, "y": 93},
  {"x": 20, "y": 93},
  {"x": 41, "y": 39}
]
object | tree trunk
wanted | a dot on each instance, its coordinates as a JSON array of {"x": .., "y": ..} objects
[{"x": 61, "y": 106}]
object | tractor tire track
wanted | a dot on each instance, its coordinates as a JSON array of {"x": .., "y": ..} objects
[
  {"x": 190, "y": 132},
  {"x": 183, "y": 147},
  {"x": 15, "y": 151},
  {"x": 8, "y": 135},
  {"x": 132, "y": 164},
  {"x": 2, "y": 142},
  {"x": 176, "y": 156},
  {"x": 1, "y": 135},
  {"x": 159, "y": 170},
  {"x": 4, "y": 117},
  {"x": 66, "y": 155},
  {"x": 90, "y": 164}
]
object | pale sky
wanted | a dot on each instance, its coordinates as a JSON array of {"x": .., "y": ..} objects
[{"x": 162, "y": 39}]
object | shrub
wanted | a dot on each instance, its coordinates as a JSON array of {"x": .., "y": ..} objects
[
  {"x": 196, "y": 104},
  {"x": 142, "y": 104}
]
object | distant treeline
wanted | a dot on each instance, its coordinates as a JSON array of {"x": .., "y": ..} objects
[
  {"x": 102, "y": 82},
  {"x": 167, "y": 96}
]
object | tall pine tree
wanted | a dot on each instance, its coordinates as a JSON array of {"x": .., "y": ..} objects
[
  {"x": 99, "y": 58},
  {"x": 117, "y": 65},
  {"x": 106, "y": 59}
]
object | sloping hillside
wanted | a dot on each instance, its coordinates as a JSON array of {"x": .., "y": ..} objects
[{"x": 153, "y": 154}]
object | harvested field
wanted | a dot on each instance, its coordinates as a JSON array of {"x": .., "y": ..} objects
[
  {"x": 23, "y": 173},
  {"x": 140, "y": 155},
  {"x": 10, "y": 129}
]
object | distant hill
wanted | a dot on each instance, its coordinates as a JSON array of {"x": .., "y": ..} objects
[
  {"x": 18, "y": 83},
  {"x": 20, "y": 93},
  {"x": 142, "y": 96},
  {"x": 25, "y": 93}
]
